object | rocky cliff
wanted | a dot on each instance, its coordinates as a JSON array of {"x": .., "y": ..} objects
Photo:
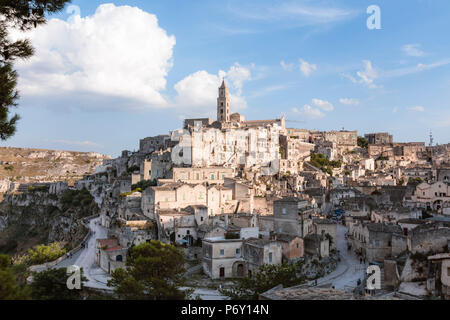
[
  {"x": 38, "y": 165},
  {"x": 33, "y": 218}
]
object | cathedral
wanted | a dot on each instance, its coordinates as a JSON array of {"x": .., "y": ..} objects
[{"x": 225, "y": 120}]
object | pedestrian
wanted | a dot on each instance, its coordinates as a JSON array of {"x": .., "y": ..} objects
[{"x": 360, "y": 260}]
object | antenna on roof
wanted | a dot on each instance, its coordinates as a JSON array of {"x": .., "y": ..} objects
[{"x": 431, "y": 138}]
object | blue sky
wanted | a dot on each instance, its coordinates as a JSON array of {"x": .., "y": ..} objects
[{"x": 102, "y": 81}]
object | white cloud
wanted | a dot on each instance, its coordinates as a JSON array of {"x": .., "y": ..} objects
[
  {"x": 366, "y": 76},
  {"x": 78, "y": 143},
  {"x": 197, "y": 93},
  {"x": 323, "y": 104},
  {"x": 119, "y": 51},
  {"x": 293, "y": 13},
  {"x": 413, "y": 50},
  {"x": 395, "y": 110},
  {"x": 349, "y": 101},
  {"x": 415, "y": 69},
  {"x": 307, "y": 68},
  {"x": 309, "y": 112},
  {"x": 417, "y": 109},
  {"x": 287, "y": 66}
]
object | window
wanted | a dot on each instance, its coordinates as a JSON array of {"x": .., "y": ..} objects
[
  {"x": 197, "y": 176},
  {"x": 223, "y": 177},
  {"x": 270, "y": 256},
  {"x": 297, "y": 245},
  {"x": 212, "y": 177},
  {"x": 238, "y": 252},
  {"x": 201, "y": 218},
  {"x": 184, "y": 196},
  {"x": 283, "y": 211},
  {"x": 222, "y": 252},
  {"x": 188, "y": 232}
]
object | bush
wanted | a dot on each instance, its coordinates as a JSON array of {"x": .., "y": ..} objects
[
  {"x": 133, "y": 169},
  {"x": 144, "y": 184},
  {"x": 73, "y": 198},
  {"x": 45, "y": 253},
  {"x": 421, "y": 257},
  {"x": 319, "y": 160}
]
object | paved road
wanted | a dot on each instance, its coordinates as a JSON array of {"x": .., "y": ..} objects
[
  {"x": 85, "y": 258},
  {"x": 349, "y": 270}
]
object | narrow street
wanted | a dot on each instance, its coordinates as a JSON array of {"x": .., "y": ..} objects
[
  {"x": 85, "y": 258},
  {"x": 349, "y": 269}
]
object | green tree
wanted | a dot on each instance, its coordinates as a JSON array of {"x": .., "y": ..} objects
[
  {"x": 267, "y": 277},
  {"x": 52, "y": 285},
  {"x": 154, "y": 271},
  {"x": 22, "y": 15},
  {"x": 415, "y": 181},
  {"x": 363, "y": 143},
  {"x": 9, "y": 289},
  {"x": 45, "y": 253}
]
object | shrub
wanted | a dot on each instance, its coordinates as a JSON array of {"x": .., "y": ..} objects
[
  {"x": 45, "y": 253},
  {"x": 144, "y": 184}
]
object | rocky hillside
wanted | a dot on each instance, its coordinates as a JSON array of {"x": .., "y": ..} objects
[
  {"x": 36, "y": 217},
  {"x": 38, "y": 165}
]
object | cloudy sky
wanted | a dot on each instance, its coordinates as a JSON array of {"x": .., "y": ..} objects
[{"x": 107, "y": 73}]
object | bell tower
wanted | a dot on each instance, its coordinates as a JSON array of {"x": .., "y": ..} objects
[{"x": 223, "y": 104}]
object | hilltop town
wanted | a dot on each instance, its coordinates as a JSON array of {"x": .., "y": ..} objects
[{"x": 238, "y": 194}]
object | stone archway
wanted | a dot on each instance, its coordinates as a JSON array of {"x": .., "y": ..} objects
[
  {"x": 437, "y": 205},
  {"x": 239, "y": 269}
]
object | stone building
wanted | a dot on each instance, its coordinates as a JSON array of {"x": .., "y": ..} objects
[
  {"x": 411, "y": 151},
  {"x": 217, "y": 199},
  {"x": 150, "y": 144},
  {"x": 211, "y": 175},
  {"x": 259, "y": 252},
  {"x": 110, "y": 255},
  {"x": 379, "y": 138},
  {"x": 292, "y": 247},
  {"x": 293, "y": 216},
  {"x": 377, "y": 241},
  {"x": 230, "y": 141},
  {"x": 432, "y": 196},
  {"x": 222, "y": 258},
  {"x": 440, "y": 267},
  {"x": 326, "y": 226},
  {"x": 129, "y": 207},
  {"x": 294, "y": 148},
  {"x": 317, "y": 245},
  {"x": 428, "y": 237}
]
